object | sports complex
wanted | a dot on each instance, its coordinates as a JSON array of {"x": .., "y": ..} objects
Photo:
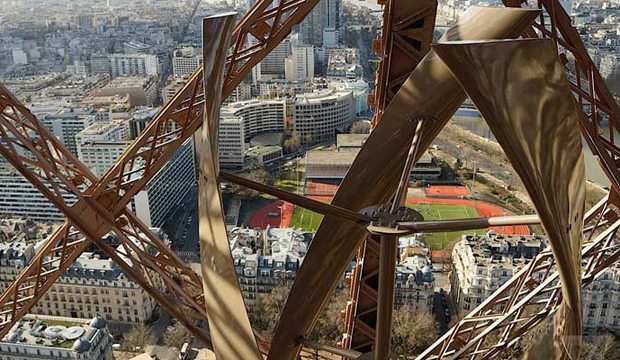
[{"x": 435, "y": 202}]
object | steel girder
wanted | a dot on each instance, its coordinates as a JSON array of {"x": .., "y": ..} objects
[
  {"x": 101, "y": 203},
  {"x": 376, "y": 172},
  {"x": 406, "y": 35},
  {"x": 405, "y": 39},
  {"x": 529, "y": 297},
  {"x": 474, "y": 333}
]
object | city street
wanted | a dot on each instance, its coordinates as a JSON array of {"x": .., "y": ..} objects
[
  {"x": 442, "y": 303},
  {"x": 182, "y": 226}
]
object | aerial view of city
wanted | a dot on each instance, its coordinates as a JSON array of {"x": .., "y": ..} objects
[{"x": 309, "y": 179}]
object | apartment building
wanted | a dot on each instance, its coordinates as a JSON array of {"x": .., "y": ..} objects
[
  {"x": 601, "y": 302},
  {"x": 99, "y": 156},
  {"x": 415, "y": 284},
  {"x": 134, "y": 64},
  {"x": 19, "y": 198},
  {"x": 89, "y": 287},
  {"x": 265, "y": 259},
  {"x": 483, "y": 263},
  {"x": 48, "y": 337},
  {"x": 168, "y": 187},
  {"x": 101, "y": 144},
  {"x": 300, "y": 64},
  {"x": 142, "y": 90},
  {"x": 186, "y": 59},
  {"x": 319, "y": 114},
  {"x": 66, "y": 123},
  {"x": 231, "y": 146},
  {"x": 259, "y": 116}
]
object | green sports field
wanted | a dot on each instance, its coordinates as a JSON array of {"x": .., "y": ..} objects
[
  {"x": 309, "y": 221},
  {"x": 445, "y": 212},
  {"x": 305, "y": 219}
]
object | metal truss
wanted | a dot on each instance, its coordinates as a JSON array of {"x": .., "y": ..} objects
[
  {"x": 598, "y": 105},
  {"x": 405, "y": 39},
  {"x": 534, "y": 294},
  {"x": 101, "y": 205},
  {"x": 587, "y": 84},
  {"x": 39, "y": 156},
  {"x": 528, "y": 298}
]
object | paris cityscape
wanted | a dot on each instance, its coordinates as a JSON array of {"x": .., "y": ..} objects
[{"x": 323, "y": 167}]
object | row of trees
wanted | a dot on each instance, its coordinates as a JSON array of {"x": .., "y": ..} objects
[
  {"x": 140, "y": 336},
  {"x": 412, "y": 332}
]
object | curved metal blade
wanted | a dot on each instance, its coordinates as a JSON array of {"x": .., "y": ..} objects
[
  {"x": 521, "y": 90},
  {"x": 229, "y": 325},
  {"x": 430, "y": 91}
]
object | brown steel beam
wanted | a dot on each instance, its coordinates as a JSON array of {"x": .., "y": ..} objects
[
  {"x": 539, "y": 134},
  {"x": 522, "y": 303},
  {"x": 376, "y": 171},
  {"x": 590, "y": 91},
  {"x": 385, "y": 298},
  {"x": 110, "y": 195},
  {"x": 406, "y": 228},
  {"x": 406, "y": 36},
  {"x": 229, "y": 324},
  {"x": 305, "y": 202}
]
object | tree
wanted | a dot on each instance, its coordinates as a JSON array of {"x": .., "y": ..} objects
[
  {"x": 602, "y": 347},
  {"x": 360, "y": 127},
  {"x": 265, "y": 314},
  {"x": 412, "y": 332},
  {"x": 330, "y": 326},
  {"x": 177, "y": 336},
  {"x": 293, "y": 143},
  {"x": 138, "y": 338},
  {"x": 257, "y": 174}
]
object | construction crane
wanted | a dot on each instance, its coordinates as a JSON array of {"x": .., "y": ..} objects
[{"x": 101, "y": 203}]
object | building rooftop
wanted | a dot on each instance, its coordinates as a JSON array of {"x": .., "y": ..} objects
[
  {"x": 262, "y": 150},
  {"x": 129, "y": 81},
  {"x": 237, "y": 105},
  {"x": 504, "y": 250},
  {"x": 100, "y": 128},
  {"x": 54, "y": 332},
  {"x": 111, "y": 144},
  {"x": 318, "y": 96},
  {"x": 89, "y": 265},
  {"x": 328, "y": 157},
  {"x": 268, "y": 248},
  {"x": 137, "y": 45}
]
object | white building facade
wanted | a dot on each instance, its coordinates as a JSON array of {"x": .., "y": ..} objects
[
  {"x": 19, "y": 198},
  {"x": 231, "y": 142},
  {"x": 185, "y": 60},
  {"x": 484, "y": 263},
  {"x": 300, "y": 64},
  {"x": 168, "y": 187},
  {"x": 318, "y": 115},
  {"x": 134, "y": 64},
  {"x": 259, "y": 116}
]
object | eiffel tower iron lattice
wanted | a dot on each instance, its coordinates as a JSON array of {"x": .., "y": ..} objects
[{"x": 101, "y": 205}]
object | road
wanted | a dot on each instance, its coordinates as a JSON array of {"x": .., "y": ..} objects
[{"x": 182, "y": 227}]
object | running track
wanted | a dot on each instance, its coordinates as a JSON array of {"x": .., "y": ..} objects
[{"x": 260, "y": 219}]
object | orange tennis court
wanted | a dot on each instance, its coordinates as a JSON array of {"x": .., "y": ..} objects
[
  {"x": 446, "y": 190},
  {"x": 319, "y": 188}
]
